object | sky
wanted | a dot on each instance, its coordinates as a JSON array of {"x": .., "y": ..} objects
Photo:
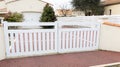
[{"x": 60, "y": 3}]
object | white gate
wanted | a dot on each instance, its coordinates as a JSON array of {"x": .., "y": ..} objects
[
  {"x": 30, "y": 39},
  {"x": 28, "y": 42},
  {"x": 75, "y": 37}
]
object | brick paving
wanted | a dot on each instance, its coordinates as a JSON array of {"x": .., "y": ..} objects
[{"x": 81, "y": 59}]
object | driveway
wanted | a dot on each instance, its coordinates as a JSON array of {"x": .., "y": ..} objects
[{"x": 80, "y": 59}]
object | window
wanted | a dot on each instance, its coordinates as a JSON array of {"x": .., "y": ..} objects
[
  {"x": 0, "y": 21},
  {"x": 110, "y": 12}
]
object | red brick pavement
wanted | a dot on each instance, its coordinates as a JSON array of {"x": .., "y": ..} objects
[{"x": 81, "y": 59}]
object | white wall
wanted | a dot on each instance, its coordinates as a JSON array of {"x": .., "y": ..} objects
[
  {"x": 2, "y": 44},
  {"x": 26, "y": 5},
  {"x": 110, "y": 38},
  {"x": 115, "y": 9}
]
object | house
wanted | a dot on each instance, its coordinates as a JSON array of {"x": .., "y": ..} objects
[
  {"x": 63, "y": 12},
  {"x": 112, "y": 7},
  {"x": 78, "y": 13},
  {"x": 68, "y": 12},
  {"x": 3, "y": 8},
  {"x": 31, "y": 9}
]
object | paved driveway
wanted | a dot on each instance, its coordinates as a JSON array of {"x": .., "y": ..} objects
[{"x": 81, "y": 59}]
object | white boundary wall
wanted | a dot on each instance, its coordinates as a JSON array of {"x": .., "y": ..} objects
[{"x": 110, "y": 38}]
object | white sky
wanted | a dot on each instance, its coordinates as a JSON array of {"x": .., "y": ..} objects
[{"x": 60, "y": 3}]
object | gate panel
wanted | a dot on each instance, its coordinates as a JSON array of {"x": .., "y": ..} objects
[
  {"x": 64, "y": 38},
  {"x": 30, "y": 42},
  {"x": 75, "y": 37}
]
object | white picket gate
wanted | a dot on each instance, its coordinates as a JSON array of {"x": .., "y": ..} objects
[
  {"x": 62, "y": 39},
  {"x": 78, "y": 39}
]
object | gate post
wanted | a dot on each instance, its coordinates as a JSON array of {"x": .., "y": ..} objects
[
  {"x": 6, "y": 38},
  {"x": 2, "y": 44}
]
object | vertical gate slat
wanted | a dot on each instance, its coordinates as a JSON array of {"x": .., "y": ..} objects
[
  {"x": 12, "y": 50},
  {"x": 39, "y": 40},
  {"x": 88, "y": 34},
  {"x": 70, "y": 40},
  {"x": 77, "y": 37},
  {"x": 17, "y": 43},
  {"x": 30, "y": 42},
  {"x": 35, "y": 41},
  {"x": 56, "y": 40},
  {"x": 43, "y": 40},
  {"x": 74, "y": 40},
  {"x": 63, "y": 40},
  {"x": 21, "y": 41},
  {"x": 52, "y": 41},
  {"x": 26, "y": 41},
  {"x": 85, "y": 39},
  {"x": 47, "y": 42},
  {"x": 93, "y": 38},
  {"x": 67, "y": 36}
]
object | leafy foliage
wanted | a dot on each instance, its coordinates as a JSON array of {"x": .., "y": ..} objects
[
  {"x": 48, "y": 14},
  {"x": 14, "y": 17},
  {"x": 89, "y": 7}
]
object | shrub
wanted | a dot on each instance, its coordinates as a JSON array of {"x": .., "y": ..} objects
[
  {"x": 48, "y": 14},
  {"x": 14, "y": 17}
]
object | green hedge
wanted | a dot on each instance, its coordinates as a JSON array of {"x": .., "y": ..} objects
[{"x": 14, "y": 17}]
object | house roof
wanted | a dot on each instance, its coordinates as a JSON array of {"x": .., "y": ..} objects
[
  {"x": 11, "y": 1},
  {"x": 4, "y": 6},
  {"x": 19, "y": 0},
  {"x": 110, "y": 2},
  {"x": 46, "y": 2},
  {"x": 3, "y": 10}
]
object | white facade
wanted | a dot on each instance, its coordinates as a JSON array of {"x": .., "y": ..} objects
[
  {"x": 115, "y": 9},
  {"x": 31, "y": 16},
  {"x": 26, "y": 5}
]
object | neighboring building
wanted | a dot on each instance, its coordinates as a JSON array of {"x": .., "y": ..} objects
[
  {"x": 68, "y": 12},
  {"x": 78, "y": 13},
  {"x": 31, "y": 9},
  {"x": 112, "y": 7},
  {"x": 63, "y": 12},
  {"x": 3, "y": 8}
]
